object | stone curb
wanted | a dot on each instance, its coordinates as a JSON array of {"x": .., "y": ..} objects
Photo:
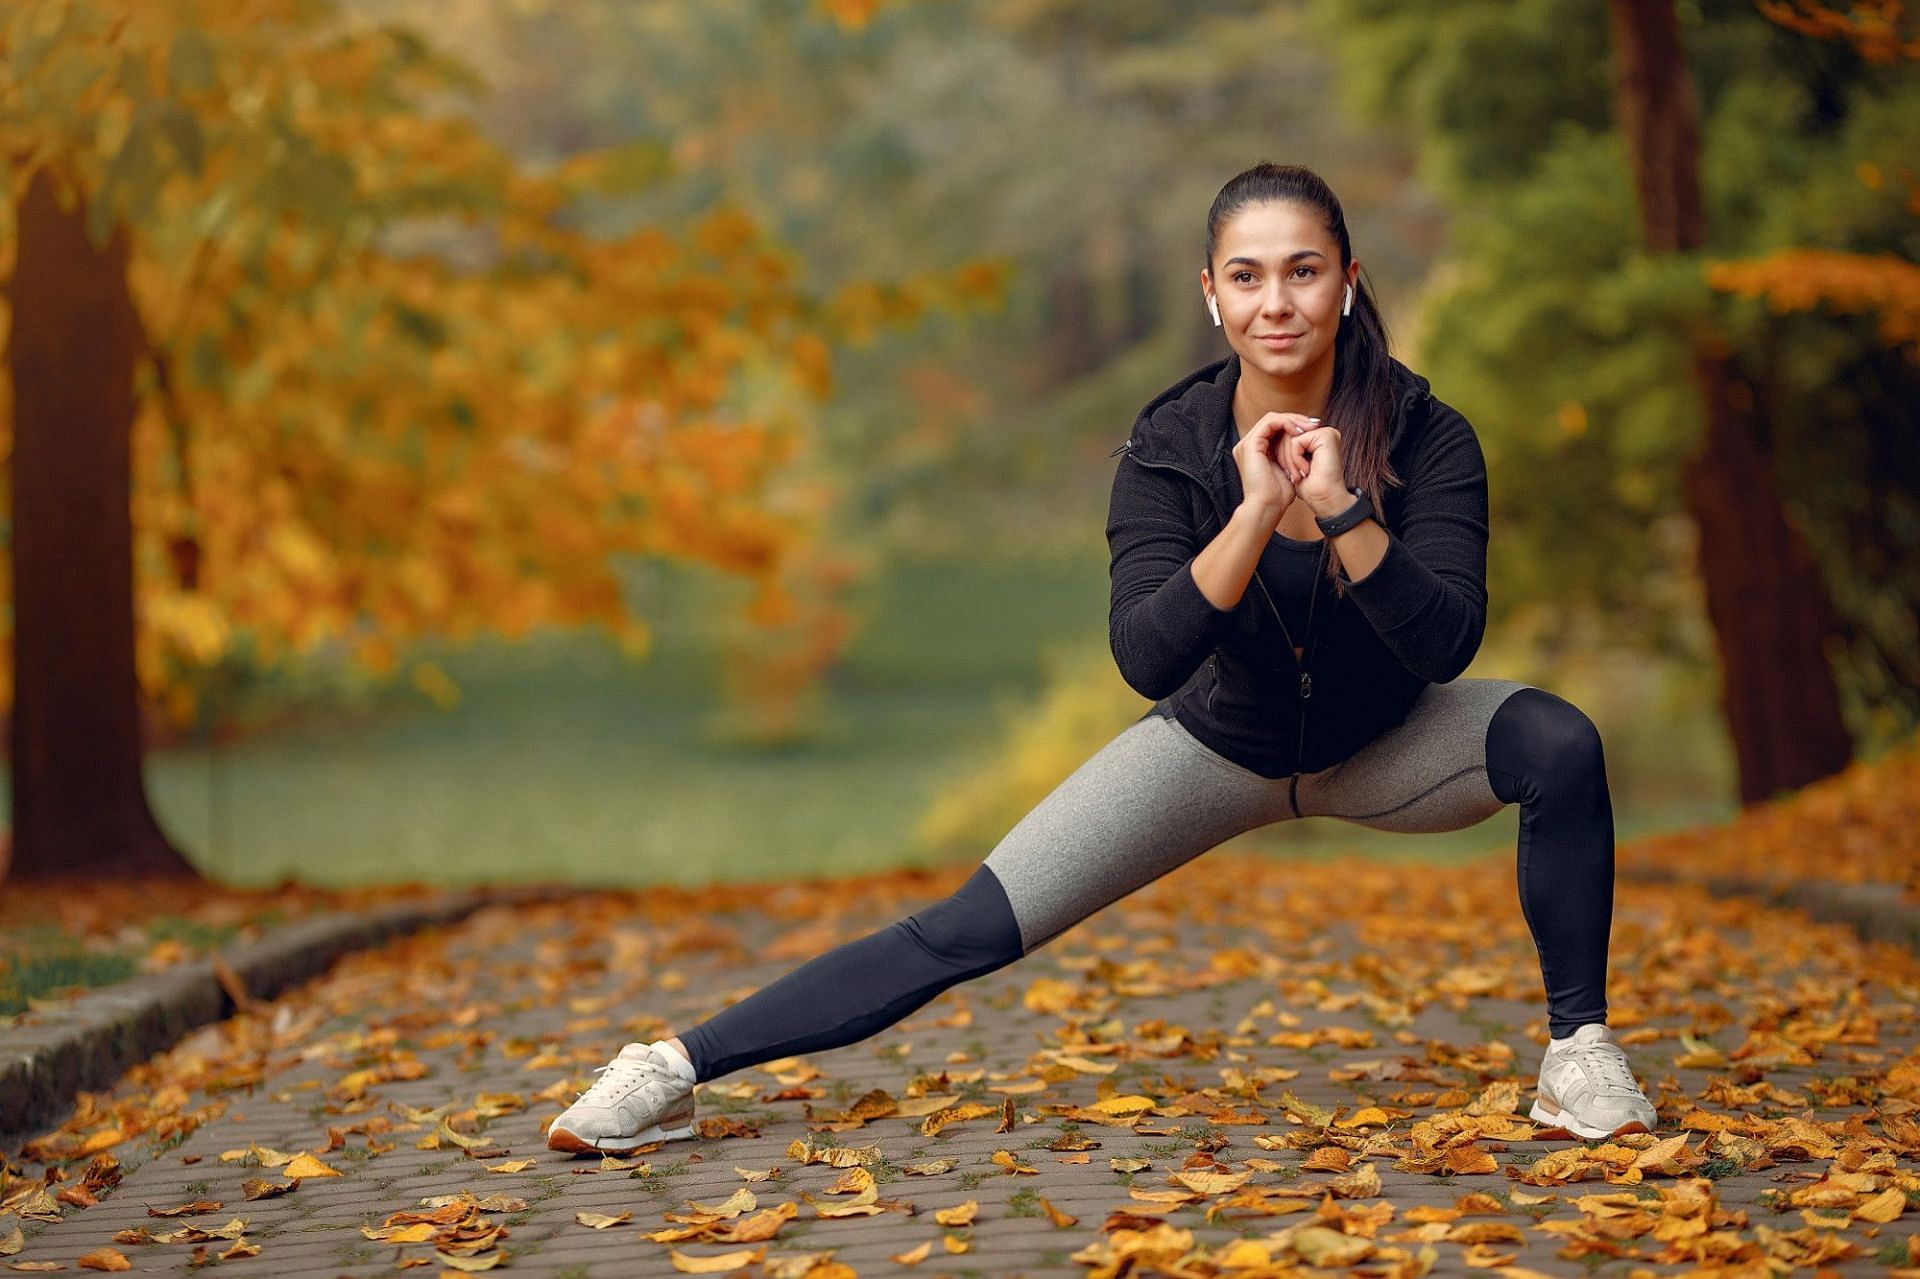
[
  {"x": 1878, "y": 912},
  {"x": 89, "y": 1042}
]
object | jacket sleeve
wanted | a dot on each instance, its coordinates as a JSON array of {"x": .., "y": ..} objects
[
  {"x": 1159, "y": 625},
  {"x": 1427, "y": 598}
]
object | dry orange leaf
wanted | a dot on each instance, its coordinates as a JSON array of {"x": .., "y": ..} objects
[
  {"x": 1327, "y": 1159},
  {"x": 834, "y": 1156},
  {"x": 261, "y": 1188},
  {"x": 913, "y": 1256},
  {"x": 939, "y": 1119},
  {"x": 958, "y": 1215},
  {"x": 760, "y": 1226},
  {"x": 105, "y": 1259},
  {"x": 305, "y": 1165},
  {"x": 1470, "y": 1160},
  {"x": 852, "y": 1182},
  {"x": 1213, "y": 1183}
]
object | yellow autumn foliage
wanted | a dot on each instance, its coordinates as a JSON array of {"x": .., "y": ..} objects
[{"x": 388, "y": 390}]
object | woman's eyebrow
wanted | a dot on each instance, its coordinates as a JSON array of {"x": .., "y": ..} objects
[{"x": 1295, "y": 256}]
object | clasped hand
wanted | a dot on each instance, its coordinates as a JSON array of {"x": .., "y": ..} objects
[{"x": 1289, "y": 455}]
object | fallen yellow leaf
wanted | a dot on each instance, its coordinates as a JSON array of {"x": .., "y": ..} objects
[
  {"x": 1883, "y": 1207},
  {"x": 419, "y": 1232},
  {"x": 600, "y": 1220},
  {"x": 305, "y": 1165},
  {"x": 719, "y": 1263},
  {"x": 958, "y": 1215}
]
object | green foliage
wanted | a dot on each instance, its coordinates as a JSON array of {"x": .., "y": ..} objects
[{"x": 1567, "y": 345}]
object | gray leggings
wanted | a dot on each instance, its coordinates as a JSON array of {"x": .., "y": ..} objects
[{"x": 1154, "y": 798}]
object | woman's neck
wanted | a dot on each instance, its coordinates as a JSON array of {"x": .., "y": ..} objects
[{"x": 1258, "y": 394}]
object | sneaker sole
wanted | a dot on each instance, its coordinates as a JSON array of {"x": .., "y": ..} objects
[
  {"x": 572, "y": 1143},
  {"x": 1546, "y": 1112}
]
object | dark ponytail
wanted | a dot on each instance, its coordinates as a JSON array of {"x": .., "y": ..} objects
[{"x": 1361, "y": 404}]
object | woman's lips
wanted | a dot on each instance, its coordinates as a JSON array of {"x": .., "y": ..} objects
[{"x": 1280, "y": 340}]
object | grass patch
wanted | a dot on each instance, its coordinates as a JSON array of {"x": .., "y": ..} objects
[{"x": 45, "y": 964}]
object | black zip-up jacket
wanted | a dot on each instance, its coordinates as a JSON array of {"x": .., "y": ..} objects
[{"x": 1228, "y": 675}]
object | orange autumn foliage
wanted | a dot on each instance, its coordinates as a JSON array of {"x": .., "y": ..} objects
[
  {"x": 1862, "y": 825},
  {"x": 1799, "y": 279},
  {"x": 390, "y": 386}
]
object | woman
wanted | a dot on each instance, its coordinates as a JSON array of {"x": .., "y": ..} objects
[{"x": 1298, "y": 537}]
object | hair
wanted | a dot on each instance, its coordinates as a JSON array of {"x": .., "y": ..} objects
[{"x": 1361, "y": 404}]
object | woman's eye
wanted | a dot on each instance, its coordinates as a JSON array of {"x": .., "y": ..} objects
[
  {"x": 1307, "y": 269},
  {"x": 1237, "y": 275}
]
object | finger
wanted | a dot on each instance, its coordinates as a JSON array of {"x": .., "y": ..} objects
[
  {"x": 1297, "y": 456},
  {"x": 1267, "y": 428},
  {"x": 1288, "y": 422}
]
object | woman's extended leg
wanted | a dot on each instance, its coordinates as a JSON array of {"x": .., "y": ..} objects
[
  {"x": 1466, "y": 749},
  {"x": 1148, "y": 801}
]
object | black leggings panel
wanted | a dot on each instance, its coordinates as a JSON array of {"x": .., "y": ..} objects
[
  {"x": 863, "y": 986},
  {"x": 1544, "y": 754}
]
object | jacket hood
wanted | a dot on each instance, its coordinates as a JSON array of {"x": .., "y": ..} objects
[{"x": 1190, "y": 424}]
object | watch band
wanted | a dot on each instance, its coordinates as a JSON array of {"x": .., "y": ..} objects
[{"x": 1333, "y": 525}]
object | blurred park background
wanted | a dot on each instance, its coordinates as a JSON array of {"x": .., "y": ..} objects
[{"x": 627, "y": 442}]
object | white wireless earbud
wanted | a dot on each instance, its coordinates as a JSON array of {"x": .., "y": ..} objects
[
  {"x": 1347, "y": 307},
  {"x": 1214, "y": 308}
]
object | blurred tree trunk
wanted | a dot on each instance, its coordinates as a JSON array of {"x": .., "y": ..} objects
[
  {"x": 79, "y": 801},
  {"x": 1072, "y": 336},
  {"x": 1765, "y": 596},
  {"x": 1140, "y": 290}
]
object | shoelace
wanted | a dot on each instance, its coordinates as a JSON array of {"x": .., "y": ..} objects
[
  {"x": 616, "y": 1075},
  {"x": 1611, "y": 1064}
]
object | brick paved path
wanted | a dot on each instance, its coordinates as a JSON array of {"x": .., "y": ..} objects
[{"x": 1239, "y": 995}]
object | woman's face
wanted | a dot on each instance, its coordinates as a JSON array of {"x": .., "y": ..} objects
[{"x": 1278, "y": 284}]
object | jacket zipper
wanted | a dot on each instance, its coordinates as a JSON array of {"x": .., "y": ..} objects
[{"x": 1301, "y": 661}]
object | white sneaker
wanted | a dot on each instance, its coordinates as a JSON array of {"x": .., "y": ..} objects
[
  {"x": 1586, "y": 1086},
  {"x": 639, "y": 1098}
]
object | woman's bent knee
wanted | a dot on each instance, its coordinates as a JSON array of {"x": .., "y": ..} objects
[
  {"x": 1538, "y": 740},
  {"x": 973, "y": 930}
]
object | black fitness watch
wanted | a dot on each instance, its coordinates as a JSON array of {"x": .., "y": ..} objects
[{"x": 1333, "y": 525}]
